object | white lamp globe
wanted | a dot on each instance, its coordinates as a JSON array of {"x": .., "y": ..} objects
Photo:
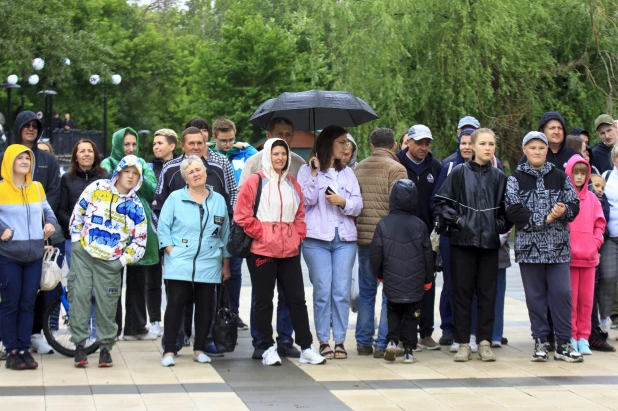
[
  {"x": 33, "y": 79},
  {"x": 116, "y": 79},
  {"x": 94, "y": 79},
  {"x": 67, "y": 62},
  {"x": 12, "y": 79},
  {"x": 38, "y": 63}
]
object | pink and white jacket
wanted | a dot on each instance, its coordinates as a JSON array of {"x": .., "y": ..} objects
[{"x": 588, "y": 227}]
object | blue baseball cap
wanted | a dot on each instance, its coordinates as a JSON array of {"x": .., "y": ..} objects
[{"x": 468, "y": 121}]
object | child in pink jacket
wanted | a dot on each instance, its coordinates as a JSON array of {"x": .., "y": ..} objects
[{"x": 586, "y": 239}]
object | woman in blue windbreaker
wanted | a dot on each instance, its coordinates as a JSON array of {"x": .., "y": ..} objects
[{"x": 193, "y": 231}]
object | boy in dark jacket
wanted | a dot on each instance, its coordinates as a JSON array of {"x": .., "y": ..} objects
[{"x": 402, "y": 258}]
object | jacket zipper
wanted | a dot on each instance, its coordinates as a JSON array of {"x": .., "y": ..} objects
[
  {"x": 281, "y": 217},
  {"x": 199, "y": 244}
]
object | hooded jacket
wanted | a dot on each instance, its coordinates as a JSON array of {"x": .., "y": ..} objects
[
  {"x": 47, "y": 169},
  {"x": 110, "y": 225},
  {"x": 530, "y": 196},
  {"x": 602, "y": 155},
  {"x": 352, "y": 164},
  {"x": 279, "y": 226},
  {"x": 563, "y": 155},
  {"x": 145, "y": 192},
  {"x": 70, "y": 190},
  {"x": 401, "y": 253},
  {"x": 588, "y": 227},
  {"x": 22, "y": 210},
  {"x": 199, "y": 234},
  {"x": 471, "y": 204},
  {"x": 376, "y": 175}
]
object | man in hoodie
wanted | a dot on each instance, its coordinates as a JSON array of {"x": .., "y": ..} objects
[
  {"x": 108, "y": 231},
  {"x": 47, "y": 172},
  {"x": 553, "y": 126},
  {"x": 424, "y": 171},
  {"x": 608, "y": 132}
]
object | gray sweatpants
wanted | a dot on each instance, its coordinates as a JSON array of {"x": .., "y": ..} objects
[
  {"x": 548, "y": 285},
  {"x": 608, "y": 277},
  {"x": 85, "y": 275}
]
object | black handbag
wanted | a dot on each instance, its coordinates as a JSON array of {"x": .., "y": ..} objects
[
  {"x": 239, "y": 243},
  {"x": 225, "y": 331}
]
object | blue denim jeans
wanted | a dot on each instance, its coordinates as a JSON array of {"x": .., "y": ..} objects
[
  {"x": 499, "y": 309},
  {"x": 284, "y": 321},
  {"x": 368, "y": 288},
  {"x": 19, "y": 283},
  {"x": 447, "y": 322},
  {"x": 235, "y": 283},
  {"x": 330, "y": 266}
]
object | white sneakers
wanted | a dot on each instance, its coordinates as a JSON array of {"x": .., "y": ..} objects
[
  {"x": 473, "y": 345},
  {"x": 39, "y": 345},
  {"x": 454, "y": 347},
  {"x": 202, "y": 358},
  {"x": 308, "y": 356},
  {"x": 146, "y": 337},
  {"x": 155, "y": 328},
  {"x": 605, "y": 324},
  {"x": 168, "y": 361},
  {"x": 270, "y": 357}
]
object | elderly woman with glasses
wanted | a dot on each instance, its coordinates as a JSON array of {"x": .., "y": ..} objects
[
  {"x": 332, "y": 201},
  {"x": 193, "y": 231}
]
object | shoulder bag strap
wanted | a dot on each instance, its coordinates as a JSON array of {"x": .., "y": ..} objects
[{"x": 258, "y": 195}]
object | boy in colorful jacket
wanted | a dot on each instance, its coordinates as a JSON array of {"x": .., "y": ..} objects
[{"x": 108, "y": 231}]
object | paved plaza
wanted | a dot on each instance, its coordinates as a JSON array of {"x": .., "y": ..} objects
[{"x": 235, "y": 382}]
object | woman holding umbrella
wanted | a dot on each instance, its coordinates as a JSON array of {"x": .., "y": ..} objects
[{"x": 332, "y": 201}]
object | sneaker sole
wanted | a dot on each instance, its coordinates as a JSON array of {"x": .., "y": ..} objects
[
  {"x": 462, "y": 359},
  {"x": 559, "y": 357},
  {"x": 429, "y": 348},
  {"x": 312, "y": 363},
  {"x": 106, "y": 365},
  {"x": 410, "y": 361},
  {"x": 80, "y": 364},
  {"x": 215, "y": 355},
  {"x": 539, "y": 359},
  {"x": 390, "y": 354},
  {"x": 492, "y": 359},
  {"x": 277, "y": 364}
]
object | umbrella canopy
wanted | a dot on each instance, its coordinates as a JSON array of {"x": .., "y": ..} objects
[{"x": 315, "y": 110}]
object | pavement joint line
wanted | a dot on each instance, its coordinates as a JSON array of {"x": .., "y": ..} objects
[{"x": 104, "y": 389}]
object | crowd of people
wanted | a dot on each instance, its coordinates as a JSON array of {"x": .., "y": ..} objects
[{"x": 403, "y": 213}]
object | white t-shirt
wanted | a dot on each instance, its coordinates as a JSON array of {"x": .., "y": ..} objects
[{"x": 335, "y": 187}]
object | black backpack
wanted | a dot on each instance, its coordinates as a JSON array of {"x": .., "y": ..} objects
[{"x": 239, "y": 243}]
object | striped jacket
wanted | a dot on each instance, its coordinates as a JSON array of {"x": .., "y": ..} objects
[{"x": 22, "y": 210}]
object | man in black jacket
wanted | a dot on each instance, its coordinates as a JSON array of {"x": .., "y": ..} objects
[
  {"x": 553, "y": 126},
  {"x": 47, "y": 172},
  {"x": 163, "y": 146},
  {"x": 424, "y": 171},
  {"x": 607, "y": 131}
]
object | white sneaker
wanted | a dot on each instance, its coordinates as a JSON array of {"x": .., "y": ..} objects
[
  {"x": 311, "y": 356},
  {"x": 155, "y": 328},
  {"x": 137, "y": 337},
  {"x": 270, "y": 357},
  {"x": 454, "y": 347},
  {"x": 39, "y": 345},
  {"x": 168, "y": 361},
  {"x": 202, "y": 358},
  {"x": 605, "y": 324},
  {"x": 473, "y": 346}
]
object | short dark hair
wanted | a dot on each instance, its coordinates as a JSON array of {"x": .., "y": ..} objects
[
  {"x": 282, "y": 143},
  {"x": 574, "y": 141},
  {"x": 405, "y": 133},
  {"x": 278, "y": 120},
  {"x": 383, "y": 138},
  {"x": 323, "y": 148},
  {"x": 199, "y": 123},
  {"x": 191, "y": 130}
]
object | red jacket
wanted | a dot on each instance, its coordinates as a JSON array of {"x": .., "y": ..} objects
[
  {"x": 588, "y": 227},
  {"x": 279, "y": 226}
]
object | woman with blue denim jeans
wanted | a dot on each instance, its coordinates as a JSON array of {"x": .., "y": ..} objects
[{"x": 332, "y": 201}]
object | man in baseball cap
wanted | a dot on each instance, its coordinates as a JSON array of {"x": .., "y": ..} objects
[
  {"x": 608, "y": 132},
  {"x": 464, "y": 123}
]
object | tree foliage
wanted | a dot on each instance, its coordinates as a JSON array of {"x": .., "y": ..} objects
[{"x": 421, "y": 61}]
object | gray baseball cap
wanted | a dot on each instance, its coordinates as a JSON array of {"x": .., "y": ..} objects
[
  {"x": 534, "y": 135},
  {"x": 419, "y": 132},
  {"x": 468, "y": 121}
]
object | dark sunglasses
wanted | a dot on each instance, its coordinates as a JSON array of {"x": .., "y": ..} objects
[{"x": 33, "y": 125}]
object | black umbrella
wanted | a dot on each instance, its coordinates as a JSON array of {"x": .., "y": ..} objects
[{"x": 315, "y": 110}]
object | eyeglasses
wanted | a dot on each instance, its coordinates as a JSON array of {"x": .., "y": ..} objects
[
  {"x": 343, "y": 143},
  {"x": 32, "y": 124},
  {"x": 231, "y": 141}
]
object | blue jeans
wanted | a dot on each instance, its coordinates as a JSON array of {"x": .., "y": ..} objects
[
  {"x": 330, "y": 270},
  {"x": 284, "y": 321},
  {"x": 235, "y": 283},
  {"x": 447, "y": 322},
  {"x": 498, "y": 330},
  {"x": 19, "y": 283},
  {"x": 368, "y": 288}
]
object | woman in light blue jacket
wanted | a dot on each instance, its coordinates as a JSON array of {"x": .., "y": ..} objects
[{"x": 193, "y": 230}]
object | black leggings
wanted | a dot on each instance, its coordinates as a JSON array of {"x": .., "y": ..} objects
[
  {"x": 265, "y": 272},
  {"x": 178, "y": 292}
]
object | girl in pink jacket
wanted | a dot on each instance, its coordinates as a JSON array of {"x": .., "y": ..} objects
[{"x": 586, "y": 239}]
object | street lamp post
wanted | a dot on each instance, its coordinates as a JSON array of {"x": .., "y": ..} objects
[
  {"x": 115, "y": 80},
  {"x": 9, "y": 86}
]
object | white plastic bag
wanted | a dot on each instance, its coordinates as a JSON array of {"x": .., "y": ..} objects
[
  {"x": 51, "y": 273},
  {"x": 354, "y": 291}
]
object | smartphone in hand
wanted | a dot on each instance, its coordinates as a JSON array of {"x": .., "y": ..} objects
[{"x": 329, "y": 191}]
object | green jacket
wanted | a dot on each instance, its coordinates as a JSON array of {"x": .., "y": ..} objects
[{"x": 145, "y": 193}]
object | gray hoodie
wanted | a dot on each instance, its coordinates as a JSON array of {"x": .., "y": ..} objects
[{"x": 353, "y": 162}]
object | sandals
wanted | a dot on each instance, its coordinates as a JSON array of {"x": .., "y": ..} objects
[
  {"x": 326, "y": 351},
  {"x": 340, "y": 352}
]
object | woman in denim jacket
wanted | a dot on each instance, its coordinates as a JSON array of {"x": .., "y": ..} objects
[{"x": 332, "y": 201}]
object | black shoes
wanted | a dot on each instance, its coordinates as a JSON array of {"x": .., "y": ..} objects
[
  {"x": 105, "y": 359},
  {"x": 566, "y": 352},
  {"x": 600, "y": 345},
  {"x": 14, "y": 361},
  {"x": 540, "y": 351},
  {"x": 241, "y": 324},
  {"x": 257, "y": 353},
  {"x": 80, "y": 356},
  {"x": 29, "y": 361},
  {"x": 288, "y": 351}
]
